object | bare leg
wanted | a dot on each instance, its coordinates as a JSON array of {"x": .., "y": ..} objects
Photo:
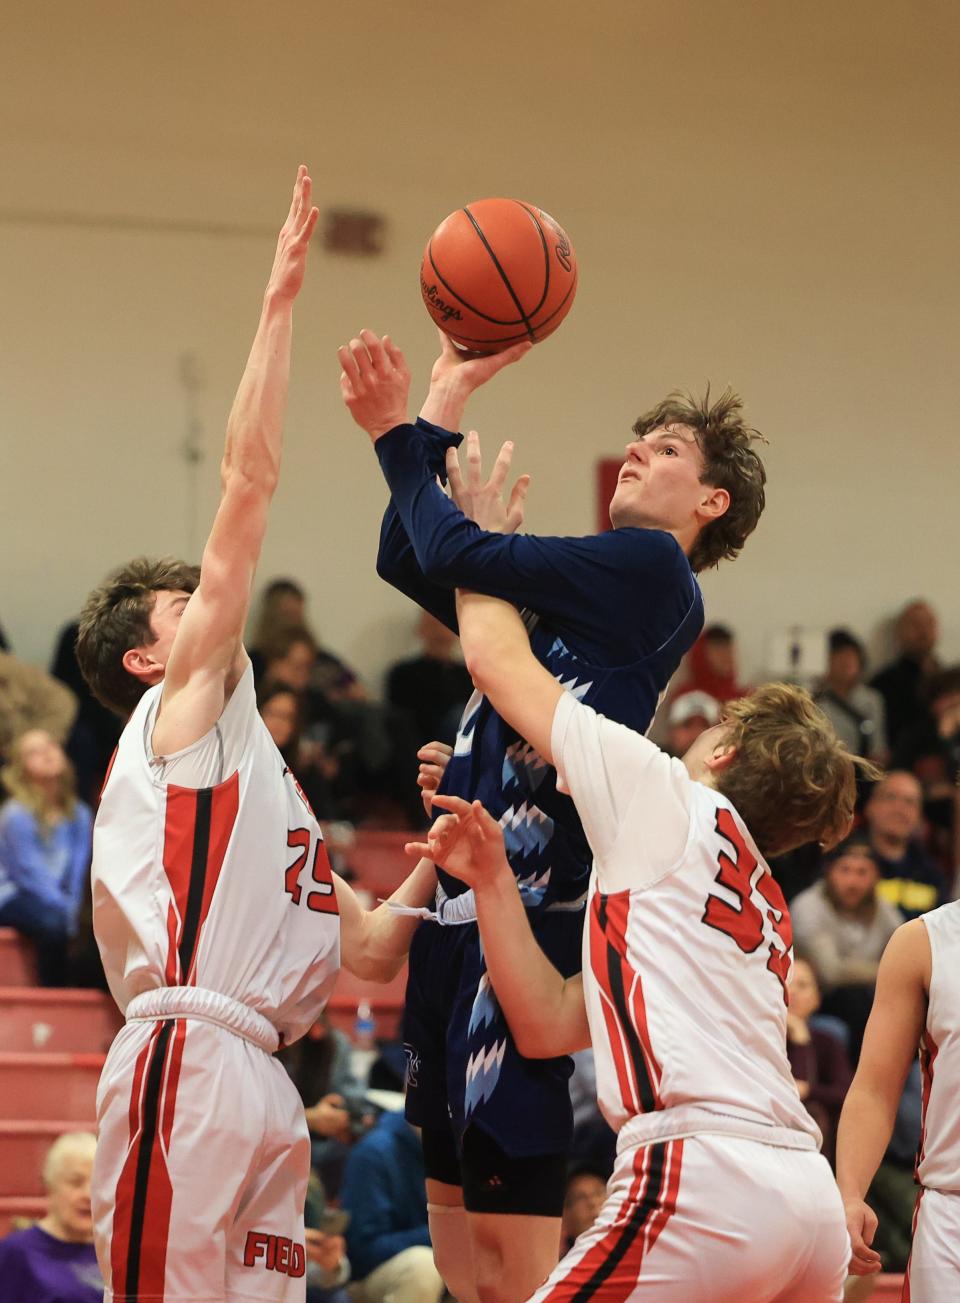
[
  {"x": 512, "y": 1254},
  {"x": 450, "y": 1237}
]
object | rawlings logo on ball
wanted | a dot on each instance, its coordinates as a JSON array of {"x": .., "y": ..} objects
[
  {"x": 563, "y": 254},
  {"x": 446, "y": 310}
]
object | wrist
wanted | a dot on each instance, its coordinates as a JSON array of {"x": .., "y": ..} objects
[
  {"x": 276, "y": 302},
  {"x": 446, "y": 402}
]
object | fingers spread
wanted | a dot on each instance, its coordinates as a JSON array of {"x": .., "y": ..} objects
[
  {"x": 375, "y": 350},
  {"x": 474, "y": 460},
  {"x": 454, "y": 478}
]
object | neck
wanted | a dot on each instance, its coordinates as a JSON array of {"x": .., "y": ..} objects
[{"x": 839, "y": 688}]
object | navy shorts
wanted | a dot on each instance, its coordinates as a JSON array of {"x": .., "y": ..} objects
[{"x": 463, "y": 1068}]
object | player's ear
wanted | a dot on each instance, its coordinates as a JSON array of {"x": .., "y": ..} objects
[
  {"x": 713, "y": 504},
  {"x": 138, "y": 662},
  {"x": 721, "y": 757}
]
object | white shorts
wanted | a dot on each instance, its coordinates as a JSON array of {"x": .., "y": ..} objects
[
  {"x": 201, "y": 1168},
  {"x": 933, "y": 1272},
  {"x": 711, "y": 1219}
]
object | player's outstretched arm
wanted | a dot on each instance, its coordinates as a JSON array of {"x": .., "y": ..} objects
[
  {"x": 544, "y": 1010},
  {"x": 889, "y": 1045},
  {"x": 374, "y": 942},
  {"x": 207, "y": 657},
  {"x": 497, "y": 652}
]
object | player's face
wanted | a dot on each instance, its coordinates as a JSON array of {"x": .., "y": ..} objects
[
  {"x": 70, "y": 1198},
  {"x": 659, "y": 483}
]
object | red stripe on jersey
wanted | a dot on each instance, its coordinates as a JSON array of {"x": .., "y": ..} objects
[
  {"x": 173, "y": 1081},
  {"x": 613, "y": 913},
  {"x": 598, "y": 964},
  {"x": 929, "y": 1050},
  {"x": 106, "y": 777},
  {"x": 194, "y": 849},
  {"x": 226, "y": 802}
]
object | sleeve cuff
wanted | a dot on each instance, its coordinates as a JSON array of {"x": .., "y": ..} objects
[{"x": 447, "y": 438}]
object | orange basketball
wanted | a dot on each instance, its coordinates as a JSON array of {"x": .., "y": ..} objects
[{"x": 496, "y": 272}]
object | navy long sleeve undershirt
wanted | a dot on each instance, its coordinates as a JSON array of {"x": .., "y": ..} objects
[{"x": 624, "y": 590}]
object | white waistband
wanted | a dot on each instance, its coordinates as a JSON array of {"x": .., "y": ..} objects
[
  {"x": 207, "y": 1006},
  {"x": 673, "y": 1123}
]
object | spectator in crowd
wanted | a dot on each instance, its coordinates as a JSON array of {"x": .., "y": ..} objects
[
  {"x": 388, "y": 1239},
  {"x": 818, "y": 1059},
  {"x": 585, "y": 1193},
  {"x": 96, "y": 730},
  {"x": 712, "y": 666},
  {"x": 319, "y": 1065},
  {"x": 45, "y": 843},
  {"x": 54, "y": 1261},
  {"x": 283, "y": 607},
  {"x": 434, "y": 686},
  {"x": 901, "y": 683},
  {"x": 855, "y": 710},
  {"x": 315, "y": 771},
  {"x": 910, "y": 877},
  {"x": 689, "y": 714},
  {"x": 843, "y": 924},
  {"x": 31, "y": 699},
  {"x": 930, "y": 749}
]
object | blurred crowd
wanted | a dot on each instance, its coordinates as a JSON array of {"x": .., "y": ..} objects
[{"x": 354, "y": 754}]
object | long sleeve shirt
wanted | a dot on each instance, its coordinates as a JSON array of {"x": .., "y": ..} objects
[
  {"x": 50, "y": 865},
  {"x": 609, "y": 615}
]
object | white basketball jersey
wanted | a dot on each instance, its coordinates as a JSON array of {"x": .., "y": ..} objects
[
  {"x": 687, "y": 945},
  {"x": 222, "y": 883},
  {"x": 938, "y": 1158}
]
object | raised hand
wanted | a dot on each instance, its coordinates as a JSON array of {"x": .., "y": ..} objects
[
  {"x": 456, "y": 374},
  {"x": 483, "y": 501},
  {"x": 467, "y": 842},
  {"x": 374, "y": 382},
  {"x": 433, "y": 758},
  {"x": 290, "y": 261},
  {"x": 861, "y": 1227}
]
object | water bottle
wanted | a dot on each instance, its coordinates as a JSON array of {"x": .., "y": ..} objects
[{"x": 364, "y": 1049}]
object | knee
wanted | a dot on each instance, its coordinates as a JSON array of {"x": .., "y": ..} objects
[{"x": 456, "y": 1271}]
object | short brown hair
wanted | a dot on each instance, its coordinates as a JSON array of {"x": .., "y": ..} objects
[
  {"x": 792, "y": 779},
  {"x": 116, "y": 617},
  {"x": 277, "y": 645},
  {"x": 729, "y": 462}
]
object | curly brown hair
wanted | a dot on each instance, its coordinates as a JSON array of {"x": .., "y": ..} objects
[
  {"x": 729, "y": 462},
  {"x": 116, "y": 617},
  {"x": 792, "y": 780}
]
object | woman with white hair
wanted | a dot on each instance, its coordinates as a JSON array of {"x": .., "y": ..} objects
[
  {"x": 54, "y": 1261},
  {"x": 45, "y": 838}
]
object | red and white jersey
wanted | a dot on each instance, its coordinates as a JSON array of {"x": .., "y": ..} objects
[
  {"x": 938, "y": 1158},
  {"x": 209, "y": 870},
  {"x": 687, "y": 946}
]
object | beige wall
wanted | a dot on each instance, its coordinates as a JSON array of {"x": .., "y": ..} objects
[{"x": 759, "y": 193}]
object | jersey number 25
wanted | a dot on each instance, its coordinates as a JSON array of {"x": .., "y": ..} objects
[{"x": 322, "y": 899}]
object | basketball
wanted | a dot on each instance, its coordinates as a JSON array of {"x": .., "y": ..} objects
[{"x": 496, "y": 272}]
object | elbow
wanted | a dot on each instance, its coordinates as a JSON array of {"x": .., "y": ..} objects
[{"x": 478, "y": 662}]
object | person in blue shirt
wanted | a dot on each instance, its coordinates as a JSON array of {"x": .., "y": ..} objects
[
  {"x": 45, "y": 842},
  {"x": 388, "y": 1238},
  {"x": 610, "y": 615}
]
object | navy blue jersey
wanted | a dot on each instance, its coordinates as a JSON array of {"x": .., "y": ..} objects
[{"x": 612, "y": 616}]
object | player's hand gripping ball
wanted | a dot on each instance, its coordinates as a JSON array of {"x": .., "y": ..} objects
[{"x": 497, "y": 272}]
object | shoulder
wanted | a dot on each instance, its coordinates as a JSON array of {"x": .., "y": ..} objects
[
  {"x": 14, "y": 1248},
  {"x": 16, "y": 818}
]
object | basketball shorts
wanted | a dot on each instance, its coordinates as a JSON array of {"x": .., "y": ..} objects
[
  {"x": 711, "y": 1219},
  {"x": 202, "y": 1163},
  {"x": 463, "y": 1068},
  {"x": 933, "y": 1272}
]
